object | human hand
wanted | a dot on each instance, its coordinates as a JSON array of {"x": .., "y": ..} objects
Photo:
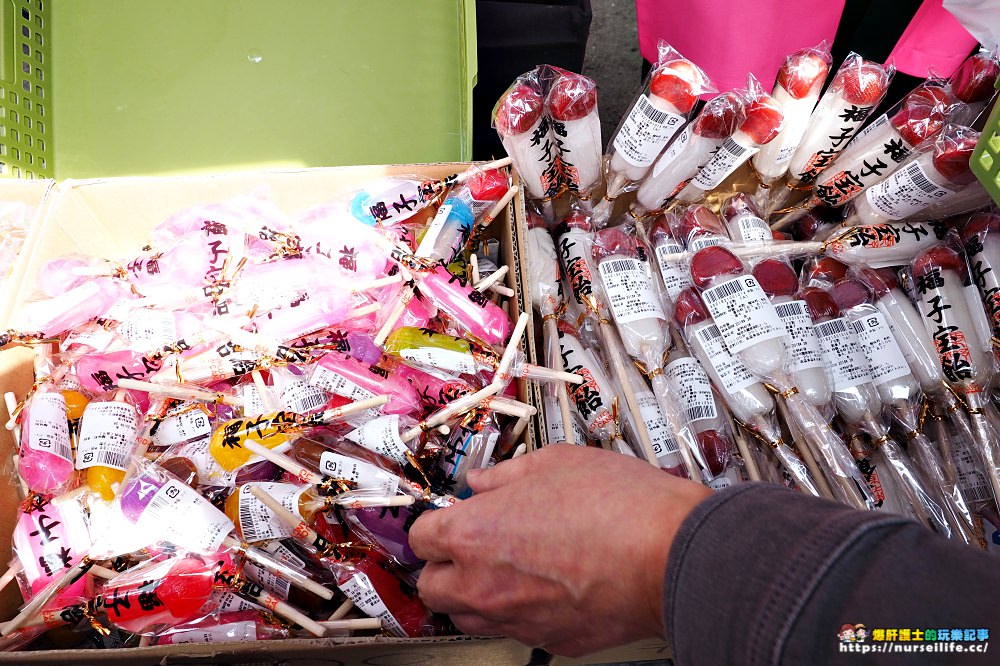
[{"x": 564, "y": 548}]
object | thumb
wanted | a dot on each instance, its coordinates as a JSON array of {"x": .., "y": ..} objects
[{"x": 501, "y": 474}]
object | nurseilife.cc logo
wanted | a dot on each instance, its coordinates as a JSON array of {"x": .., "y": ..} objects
[{"x": 853, "y": 633}]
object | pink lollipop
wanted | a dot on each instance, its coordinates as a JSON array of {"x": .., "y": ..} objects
[
  {"x": 342, "y": 375},
  {"x": 49, "y": 538},
  {"x": 63, "y": 273},
  {"x": 167, "y": 592},
  {"x": 468, "y": 307},
  {"x": 46, "y": 460},
  {"x": 70, "y": 309}
]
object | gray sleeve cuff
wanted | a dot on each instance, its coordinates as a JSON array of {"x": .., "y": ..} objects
[{"x": 743, "y": 566}]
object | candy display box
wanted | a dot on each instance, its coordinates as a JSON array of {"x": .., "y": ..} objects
[
  {"x": 136, "y": 87},
  {"x": 111, "y": 218}
]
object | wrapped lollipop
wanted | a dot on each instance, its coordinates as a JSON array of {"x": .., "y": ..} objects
[
  {"x": 751, "y": 328},
  {"x": 941, "y": 277},
  {"x": 673, "y": 273},
  {"x": 797, "y": 89},
  {"x": 880, "y": 151},
  {"x": 468, "y": 307},
  {"x": 898, "y": 390},
  {"x": 232, "y": 627},
  {"x": 745, "y": 395},
  {"x": 656, "y": 115},
  {"x": 108, "y": 435},
  {"x": 576, "y": 127},
  {"x": 53, "y": 316},
  {"x": 975, "y": 79},
  {"x": 546, "y": 293},
  {"x": 699, "y": 227},
  {"x": 524, "y": 129},
  {"x": 689, "y": 152},
  {"x": 46, "y": 458},
  {"x": 342, "y": 375},
  {"x": 744, "y": 221},
  {"x": 857, "y": 88},
  {"x": 764, "y": 120},
  {"x": 929, "y": 178}
]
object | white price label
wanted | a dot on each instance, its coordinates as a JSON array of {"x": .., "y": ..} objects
[
  {"x": 179, "y": 515},
  {"x": 381, "y": 435},
  {"x": 336, "y": 383},
  {"x": 360, "y": 590},
  {"x": 228, "y": 602},
  {"x": 426, "y": 247},
  {"x": 449, "y": 360},
  {"x": 743, "y": 313},
  {"x": 843, "y": 356},
  {"x": 656, "y": 424},
  {"x": 47, "y": 427},
  {"x": 253, "y": 403},
  {"x": 801, "y": 344},
  {"x": 108, "y": 433},
  {"x": 707, "y": 239},
  {"x": 751, "y": 229},
  {"x": 687, "y": 379},
  {"x": 675, "y": 275},
  {"x": 96, "y": 337},
  {"x": 630, "y": 294},
  {"x": 884, "y": 355},
  {"x": 729, "y": 156},
  {"x": 366, "y": 475},
  {"x": 259, "y": 523},
  {"x": 675, "y": 148},
  {"x": 905, "y": 192},
  {"x": 149, "y": 329},
  {"x": 732, "y": 372},
  {"x": 644, "y": 132},
  {"x": 186, "y": 426}
]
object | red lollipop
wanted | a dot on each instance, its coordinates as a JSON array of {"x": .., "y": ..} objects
[
  {"x": 776, "y": 278},
  {"x": 710, "y": 262},
  {"x": 821, "y": 305},
  {"x": 675, "y": 82},
  {"x": 850, "y": 292},
  {"x": 826, "y": 269},
  {"x": 975, "y": 79},
  {"x": 880, "y": 280},
  {"x": 801, "y": 71},
  {"x": 717, "y": 450},
  {"x": 572, "y": 96},
  {"x": 578, "y": 220},
  {"x": 939, "y": 257},
  {"x": 612, "y": 241},
  {"x": 700, "y": 219},
  {"x": 519, "y": 109},
  {"x": 488, "y": 185},
  {"x": 863, "y": 85}
]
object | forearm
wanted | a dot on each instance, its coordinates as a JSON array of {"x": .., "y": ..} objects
[{"x": 776, "y": 574}]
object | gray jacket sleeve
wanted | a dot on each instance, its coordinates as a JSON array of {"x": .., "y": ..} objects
[{"x": 760, "y": 575}]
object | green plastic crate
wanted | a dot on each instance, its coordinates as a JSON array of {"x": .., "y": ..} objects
[
  {"x": 985, "y": 161},
  {"x": 98, "y": 88}
]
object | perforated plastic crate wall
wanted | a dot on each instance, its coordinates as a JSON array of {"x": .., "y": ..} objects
[
  {"x": 986, "y": 158},
  {"x": 25, "y": 94}
]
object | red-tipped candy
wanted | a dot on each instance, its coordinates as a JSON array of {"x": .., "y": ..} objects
[
  {"x": 739, "y": 204},
  {"x": 941, "y": 257},
  {"x": 975, "y": 79},
  {"x": 721, "y": 116},
  {"x": 801, "y": 71},
  {"x": 863, "y": 84},
  {"x": 701, "y": 219},
  {"x": 981, "y": 223},
  {"x": 577, "y": 220},
  {"x": 881, "y": 280},
  {"x": 780, "y": 235},
  {"x": 518, "y": 110},
  {"x": 776, "y": 277},
  {"x": 850, "y": 292},
  {"x": 922, "y": 114},
  {"x": 716, "y": 448},
  {"x": 689, "y": 309},
  {"x": 827, "y": 269},
  {"x": 535, "y": 220},
  {"x": 573, "y": 96},
  {"x": 952, "y": 159},
  {"x": 611, "y": 241},
  {"x": 821, "y": 305},
  {"x": 711, "y": 262},
  {"x": 764, "y": 120},
  {"x": 675, "y": 83}
]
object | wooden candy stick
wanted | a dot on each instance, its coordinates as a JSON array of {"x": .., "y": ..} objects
[
  {"x": 10, "y": 401},
  {"x": 495, "y": 211},
  {"x": 15, "y": 568},
  {"x": 753, "y": 472},
  {"x": 341, "y": 611},
  {"x": 509, "y": 407},
  {"x": 376, "y": 283},
  {"x": 274, "y": 604},
  {"x": 492, "y": 279},
  {"x": 263, "y": 391},
  {"x": 286, "y": 574},
  {"x": 363, "y": 311},
  {"x": 802, "y": 446},
  {"x": 521, "y": 449},
  {"x": 474, "y": 268},
  {"x": 182, "y": 392},
  {"x": 300, "y": 528},
  {"x": 405, "y": 297},
  {"x": 339, "y": 413},
  {"x": 103, "y": 572},
  {"x": 45, "y": 597},
  {"x": 551, "y": 335},
  {"x": 361, "y": 624}
]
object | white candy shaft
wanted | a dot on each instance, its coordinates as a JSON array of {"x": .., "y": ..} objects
[
  {"x": 913, "y": 339},
  {"x": 882, "y": 244},
  {"x": 768, "y": 161},
  {"x": 664, "y": 181},
  {"x": 621, "y": 167},
  {"x": 825, "y": 122},
  {"x": 581, "y": 151},
  {"x": 856, "y": 170},
  {"x": 530, "y": 160},
  {"x": 747, "y": 403}
]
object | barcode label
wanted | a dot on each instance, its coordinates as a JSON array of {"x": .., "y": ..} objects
[
  {"x": 48, "y": 429},
  {"x": 729, "y": 156},
  {"x": 447, "y": 360},
  {"x": 189, "y": 425},
  {"x": 687, "y": 379},
  {"x": 629, "y": 290},
  {"x": 230, "y": 632},
  {"x": 179, "y": 515},
  {"x": 257, "y": 521},
  {"x": 701, "y": 241},
  {"x": 149, "y": 329},
  {"x": 656, "y": 425},
  {"x": 108, "y": 433},
  {"x": 884, "y": 355},
  {"x": 973, "y": 482},
  {"x": 729, "y": 371},
  {"x": 906, "y": 192},
  {"x": 674, "y": 273},
  {"x": 359, "y": 589},
  {"x": 801, "y": 342},
  {"x": 743, "y": 313},
  {"x": 382, "y": 436},
  {"x": 301, "y": 397},
  {"x": 845, "y": 360},
  {"x": 751, "y": 229},
  {"x": 644, "y": 132},
  {"x": 336, "y": 383}
]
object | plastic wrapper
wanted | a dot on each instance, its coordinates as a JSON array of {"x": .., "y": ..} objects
[
  {"x": 674, "y": 275},
  {"x": 763, "y": 122},
  {"x": 929, "y": 178},
  {"x": 797, "y": 88},
  {"x": 661, "y": 108},
  {"x": 745, "y": 223},
  {"x": 857, "y": 88},
  {"x": 689, "y": 151},
  {"x": 974, "y": 82},
  {"x": 698, "y": 227},
  {"x": 749, "y": 325},
  {"x": 943, "y": 285},
  {"x": 223, "y": 628}
]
